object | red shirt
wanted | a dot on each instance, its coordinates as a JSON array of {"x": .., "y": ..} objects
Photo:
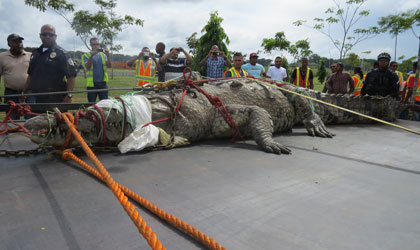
[{"x": 410, "y": 83}]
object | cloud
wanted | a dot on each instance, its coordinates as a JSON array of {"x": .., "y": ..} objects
[{"x": 246, "y": 23}]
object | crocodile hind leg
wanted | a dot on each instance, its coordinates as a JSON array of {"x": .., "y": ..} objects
[{"x": 252, "y": 121}]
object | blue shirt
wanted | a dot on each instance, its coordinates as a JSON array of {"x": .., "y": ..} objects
[
  {"x": 254, "y": 70},
  {"x": 215, "y": 68},
  {"x": 97, "y": 67}
]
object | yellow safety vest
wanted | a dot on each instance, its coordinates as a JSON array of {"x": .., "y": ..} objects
[
  {"x": 145, "y": 75},
  {"x": 417, "y": 93},
  {"x": 358, "y": 85},
  {"x": 89, "y": 73},
  {"x": 400, "y": 77},
  {"x": 235, "y": 73},
  {"x": 298, "y": 81}
]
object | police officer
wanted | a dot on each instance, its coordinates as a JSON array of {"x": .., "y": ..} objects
[
  {"x": 48, "y": 66},
  {"x": 381, "y": 81}
]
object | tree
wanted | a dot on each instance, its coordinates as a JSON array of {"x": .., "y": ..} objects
[
  {"x": 300, "y": 50},
  {"x": 407, "y": 65},
  {"x": 214, "y": 34},
  {"x": 43, "y": 5},
  {"x": 352, "y": 60},
  {"x": 104, "y": 24},
  {"x": 279, "y": 42},
  {"x": 315, "y": 58},
  {"x": 346, "y": 17},
  {"x": 322, "y": 72},
  {"x": 192, "y": 42},
  {"x": 394, "y": 25}
]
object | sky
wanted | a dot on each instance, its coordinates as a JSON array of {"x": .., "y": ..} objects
[{"x": 245, "y": 22}]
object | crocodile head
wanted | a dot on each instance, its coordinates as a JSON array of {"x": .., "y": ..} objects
[{"x": 47, "y": 130}]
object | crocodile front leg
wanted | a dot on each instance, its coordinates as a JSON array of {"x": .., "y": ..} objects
[
  {"x": 252, "y": 121},
  {"x": 306, "y": 114}
]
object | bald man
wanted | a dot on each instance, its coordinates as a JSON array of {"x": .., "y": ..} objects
[{"x": 50, "y": 65}]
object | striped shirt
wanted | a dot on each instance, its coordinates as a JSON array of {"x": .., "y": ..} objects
[
  {"x": 340, "y": 83},
  {"x": 174, "y": 68}
]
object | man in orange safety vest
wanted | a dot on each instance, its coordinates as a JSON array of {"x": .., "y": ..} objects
[{"x": 146, "y": 66}]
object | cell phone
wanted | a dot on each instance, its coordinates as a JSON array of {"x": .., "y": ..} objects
[{"x": 100, "y": 50}]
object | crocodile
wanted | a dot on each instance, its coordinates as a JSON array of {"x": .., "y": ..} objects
[{"x": 257, "y": 109}]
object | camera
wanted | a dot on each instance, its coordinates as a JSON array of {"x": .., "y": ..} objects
[
  {"x": 179, "y": 50},
  {"x": 146, "y": 54},
  {"x": 215, "y": 53},
  {"x": 100, "y": 50}
]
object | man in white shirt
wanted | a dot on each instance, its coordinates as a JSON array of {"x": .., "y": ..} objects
[{"x": 277, "y": 72}]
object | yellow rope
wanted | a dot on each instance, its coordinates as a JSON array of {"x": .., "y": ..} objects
[
  {"x": 338, "y": 107},
  {"x": 161, "y": 85}
]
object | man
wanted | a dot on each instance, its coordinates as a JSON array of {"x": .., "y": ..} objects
[
  {"x": 332, "y": 68},
  {"x": 277, "y": 72},
  {"x": 95, "y": 63},
  {"x": 174, "y": 66},
  {"x": 303, "y": 76},
  {"x": 160, "y": 52},
  {"x": 253, "y": 68},
  {"x": 340, "y": 82},
  {"x": 381, "y": 81},
  {"x": 14, "y": 65},
  {"x": 410, "y": 86},
  {"x": 48, "y": 66},
  {"x": 236, "y": 70},
  {"x": 358, "y": 80},
  {"x": 216, "y": 61},
  {"x": 146, "y": 67},
  {"x": 393, "y": 66}
]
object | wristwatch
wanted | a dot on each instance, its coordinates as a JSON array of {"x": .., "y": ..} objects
[{"x": 69, "y": 95}]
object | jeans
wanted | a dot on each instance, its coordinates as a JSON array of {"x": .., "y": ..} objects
[
  {"x": 91, "y": 96},
  {"x": 29, "y": 99}
]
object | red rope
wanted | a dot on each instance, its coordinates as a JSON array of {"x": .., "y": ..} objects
[
  {"x": 218, "y": 103},
  {"x": 168, "y": 118},
  {"x": 18, "y": 110},
  {"x": 214, "y": 100}
]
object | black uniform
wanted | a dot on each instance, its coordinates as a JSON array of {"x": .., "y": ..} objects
[
  {"x": 381, "y": 83},
  {"x": 47, "y": 70}
]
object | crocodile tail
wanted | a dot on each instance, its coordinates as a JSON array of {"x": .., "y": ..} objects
[{"x": 384, "y": 108}]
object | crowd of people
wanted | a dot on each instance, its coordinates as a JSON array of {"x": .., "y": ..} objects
[{"x": 50, "y": 69}]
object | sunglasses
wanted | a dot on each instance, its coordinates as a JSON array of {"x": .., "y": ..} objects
[
  {"x": 48, "y": 34},
  {"x": 95, "y": 44}
]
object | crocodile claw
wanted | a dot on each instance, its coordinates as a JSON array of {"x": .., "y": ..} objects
[
  {"x": 316, "y": 127},
  {"x": 276, "y": 148}
]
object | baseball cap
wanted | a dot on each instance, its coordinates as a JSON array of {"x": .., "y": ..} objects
[
  {"x": 253, "y": 54},
  {"x": 13, "y": 37}
]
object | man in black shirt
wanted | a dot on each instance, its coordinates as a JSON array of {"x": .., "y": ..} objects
[
  {"x": 48, "y": 66},
  {"x": 160, "y": 52},
  {"x": 381, "y": 81}
]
